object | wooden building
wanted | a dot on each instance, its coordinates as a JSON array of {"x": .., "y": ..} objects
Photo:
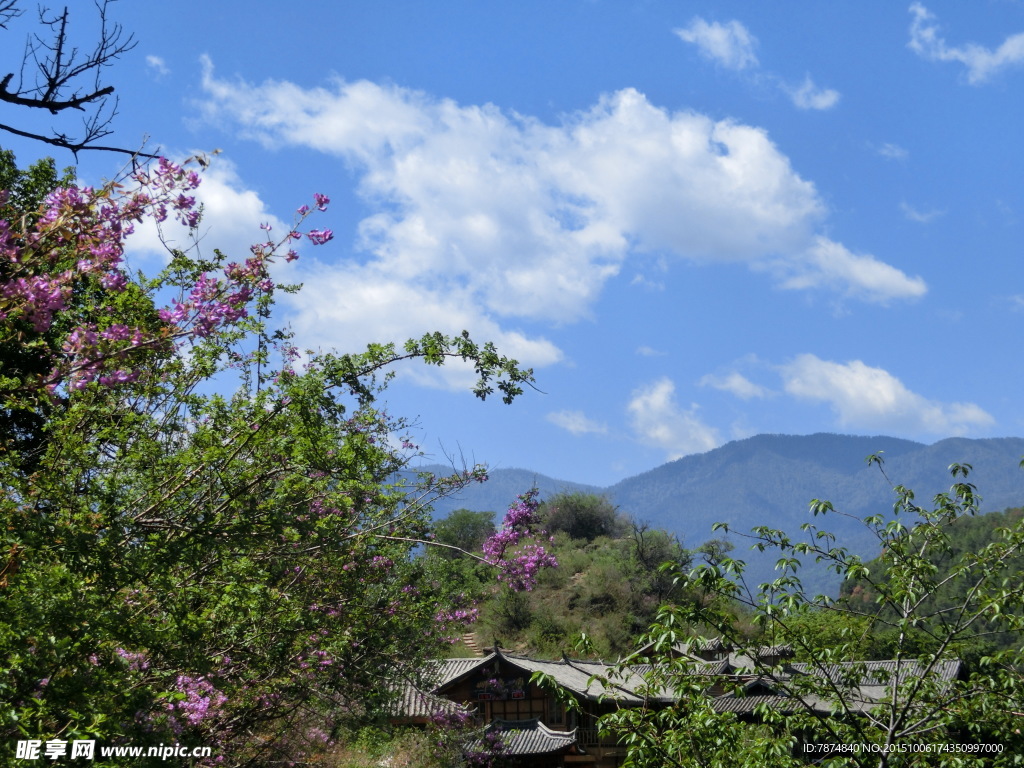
[{"x": 539, "y": 730}]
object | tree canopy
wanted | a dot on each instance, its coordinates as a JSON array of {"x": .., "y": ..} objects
[
  {"x": 202, "y": 539},
  {"x": 932, "y": 599},
  {"x": 582, "y": 515}
]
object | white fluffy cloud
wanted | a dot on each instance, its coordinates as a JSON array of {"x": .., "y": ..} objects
[
  {"x": 157, "y": 65},
  {"x": 893, "y": 151},
  {"x": 829, "y": 264},
  {"x": 645, "y": 351},
  {"x": 657, "y": 420},
  {"x": 735, "y": 383},
  {"x": 347, "y": 306},
  {"x": 577, "y": 423},
  {"x": 732, "y": 46},
  {"x": 981, "y": 62},
  {"x": 865, "y": 397},
  {"x": 921, "y": 217},
  {"x": 729, "y": 44},
  {"x": 490, "y": 218},
  {"x": 809, "y": 96}
]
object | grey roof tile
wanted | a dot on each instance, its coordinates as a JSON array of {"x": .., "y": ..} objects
[{"x": 532, "y": 737}]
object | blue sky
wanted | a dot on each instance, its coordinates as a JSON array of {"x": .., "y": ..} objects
[{"x": 697, "y": 221}]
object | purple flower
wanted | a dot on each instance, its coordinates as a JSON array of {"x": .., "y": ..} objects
[
  {"x": 519, "y": 564},
  {"x": 202, "y": 701},
  {"x": 114, "y": 281},
  {"x": 137, "y": 662},
  {"x": 320, "y": 236}
]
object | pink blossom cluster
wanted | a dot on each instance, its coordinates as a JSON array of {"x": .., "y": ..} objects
[
  {"x": 168, "y": 185},
  {"x": 201, "y": 702},
  {"x": 211, "y": 304},
  {"x": 456, "y": 730},
  {"x": 458, "y": 615},
  {"x": 320, "y": 510},
  {"x": 137, "y": 662},
  {"x": 41, "y": 297},
  {"x": 520, "y": 571},
  {"x": 96, "y": 350},
  {"x": 457, "y": 719},
  {"x": 489, "y": 751},
  {"x": 313, "y": 658},
  {"x": 454, "y": 620},
  {"x": 519, "y": 563},
  {"x": 214, "y": 303},
  {"x": 79, "y": 235}
]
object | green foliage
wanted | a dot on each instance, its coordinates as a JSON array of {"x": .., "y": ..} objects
[
  {"x": 582, "y": 516},
  {"x": 609, "y": 588},
  {"x": 21, "y": 429},
  {"x": 692, "y": 733},
  {"x": 27, "y": 187},
  {"x": 923, "y": 616},
  {"x": 967, "y": 535},
  {"x": 439, "y": 745},
  {"x": 819, "y": 630},
  {"x": 214, "y": 550},
  {"x": 462, "y": 529}
]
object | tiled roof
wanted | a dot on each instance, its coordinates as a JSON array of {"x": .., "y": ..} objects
[
  {"x": 885, "y": 672},
  {"x": 865, "y": 683},
  {"x": 448, "y": 670},
  {"x": 413, "y": 703},
  {"x": 742, "y": 705},
  {"x": 870, "y": 681},
  {"x": 532, "y": 737},
  {"x": 627, "y": 687},
  {"x": 575, "y": 676}
]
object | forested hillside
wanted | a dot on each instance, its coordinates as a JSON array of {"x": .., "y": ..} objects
[
  {"x": 608, "y": 583},
  {"x": 773, "y": 478}
]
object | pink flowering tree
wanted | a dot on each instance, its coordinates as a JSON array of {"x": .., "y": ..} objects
[
  {"x": 515, "y": 549},
  {"x": 203, "y": 540}
]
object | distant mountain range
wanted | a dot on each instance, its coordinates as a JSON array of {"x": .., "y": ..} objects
[{"x": 770, "y": 480}]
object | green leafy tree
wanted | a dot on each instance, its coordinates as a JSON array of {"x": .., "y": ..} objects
[
  {"x": 609, "y": 588},
  {"x": 652, "y": 548},
  {"x": 463, "y": 530},
  {"x": 582, "y": 516},
  {"x": 917, "y": 704},
  {"x": 968, "y": 534},
  {"x": 208, "y": 545},
  {"x": 21, "y": 430}
]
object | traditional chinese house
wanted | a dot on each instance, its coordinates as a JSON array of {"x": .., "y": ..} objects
[{"x": 539, "y": 730}]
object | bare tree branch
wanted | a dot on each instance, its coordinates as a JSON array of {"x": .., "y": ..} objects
[
  {"x": 8, "y": 11},
  {"x": 66, "y": 78},
  {"x": 74, "y": 147}
]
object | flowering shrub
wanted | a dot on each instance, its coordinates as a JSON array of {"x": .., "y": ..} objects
[
  {"x": 91, "y": 226},
  {"x": 460, "y": 741},
  {"x": 198, "y": 701},
  {"x": 519, "y": 562},
  {"x": 202, "y": 541}
]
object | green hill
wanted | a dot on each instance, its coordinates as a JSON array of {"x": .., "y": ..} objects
[{"x": 770, "y": 479}]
